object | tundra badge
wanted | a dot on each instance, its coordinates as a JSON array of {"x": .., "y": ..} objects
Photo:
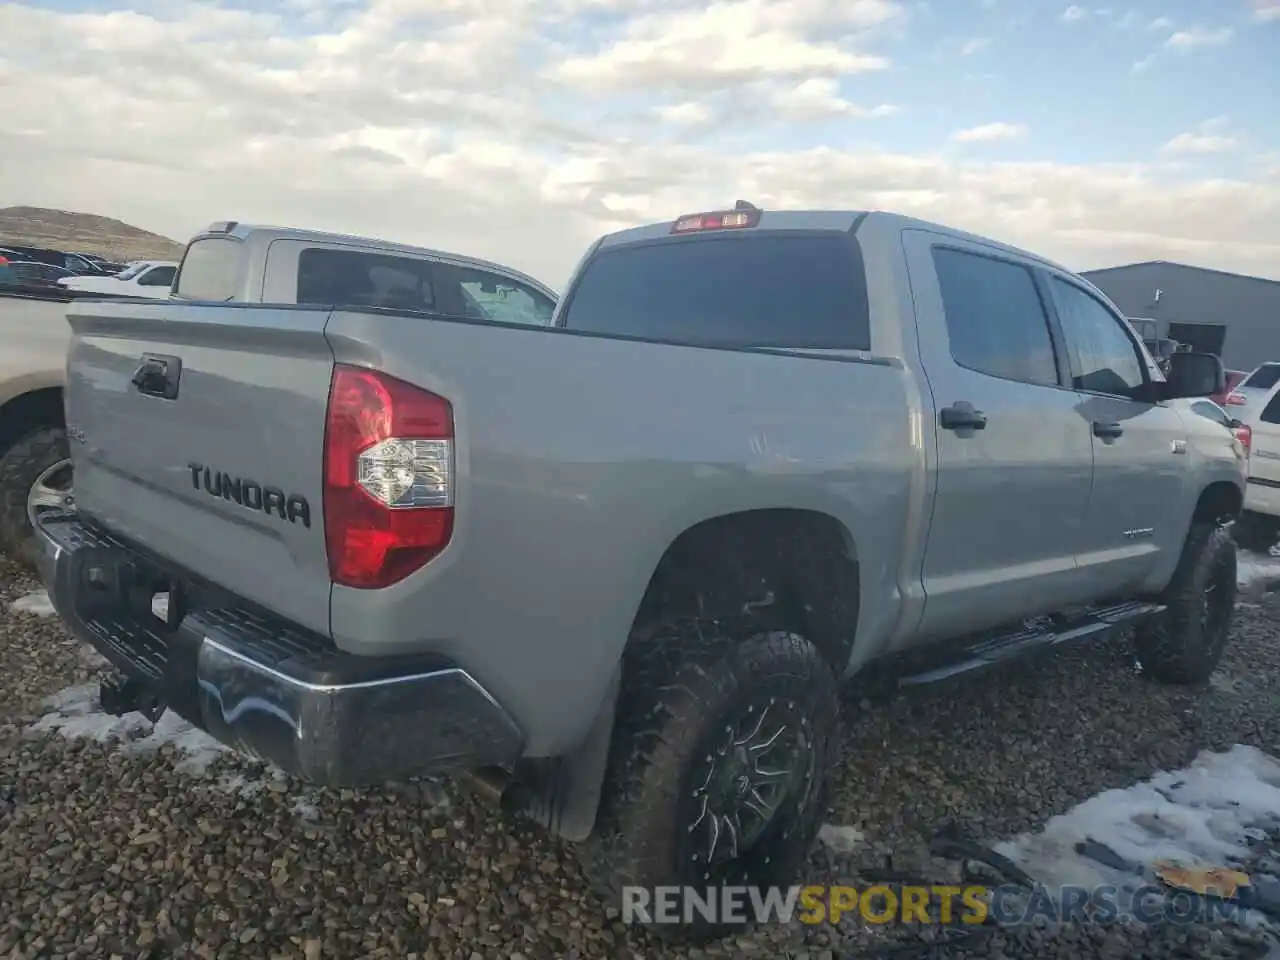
[{"x": 251, "y": 494}]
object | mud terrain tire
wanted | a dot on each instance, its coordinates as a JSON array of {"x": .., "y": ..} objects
[
  {"x": 689, "y": 692},
  {"x": 1184, "y": 644}
]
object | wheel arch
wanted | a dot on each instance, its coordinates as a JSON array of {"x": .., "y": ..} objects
[
  {"x": 786, "y": 568},
  {"x": 38, "y": 402}
]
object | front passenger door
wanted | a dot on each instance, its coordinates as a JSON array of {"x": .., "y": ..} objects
[{"x": 1137, "y": 505}]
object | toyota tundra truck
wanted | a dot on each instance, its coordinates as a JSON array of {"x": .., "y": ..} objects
[{"x": 613, "y": 568}]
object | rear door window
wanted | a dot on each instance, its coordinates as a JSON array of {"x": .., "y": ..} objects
[
  {"x": 353, "y": 278},
  {"x": 794, "y": 290}
]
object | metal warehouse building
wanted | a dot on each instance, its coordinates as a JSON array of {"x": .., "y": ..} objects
[{"x": 1234, "y": 316}]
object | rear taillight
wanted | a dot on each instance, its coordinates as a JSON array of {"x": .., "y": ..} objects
[
  {"x": 1244, "y": 433},
  {"x": 1235, "y": 400},
  {"x": 388, "y": 477}
]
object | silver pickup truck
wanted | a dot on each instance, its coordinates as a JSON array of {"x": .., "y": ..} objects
[
  {"x": 613, "y": 568},
  {"x": 227, "y": 262}
]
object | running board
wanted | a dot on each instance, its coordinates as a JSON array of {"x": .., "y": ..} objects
[{"x": 1047, "y": 633}]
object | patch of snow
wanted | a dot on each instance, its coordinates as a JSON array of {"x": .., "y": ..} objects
[
  {"x": 840, "y": 839},
  {"x": 76, "y": 714},
  {"x": 1253, "y": 569},
  {"x": 37, "y": 603},
  {"x": 1205, "y": 814}
]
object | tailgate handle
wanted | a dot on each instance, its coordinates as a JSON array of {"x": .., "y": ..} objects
[{"x": 158, "y": 376}]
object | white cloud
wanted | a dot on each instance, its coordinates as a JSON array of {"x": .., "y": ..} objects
[
  {"x": 1139, "y": 66},
  {"x": 731, "y": 41},
  {"x": 432, "y": 124},
  {"x": 1200, "y": 143},
  {"x": 1161, "y": 23},
  {"x": 1266, "y": 11},
  {"x": 688, "y": 113},
  {"x": 1074, "y": 14},
  {"x": 971, "y": 47},
  {"x": 819, "y": 97},
  {"x": 988, "y": 132},
  {"x": 1194, "y": 38}
]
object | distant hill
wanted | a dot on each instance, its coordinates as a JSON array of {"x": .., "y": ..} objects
[{"x": 83, "y": 233}]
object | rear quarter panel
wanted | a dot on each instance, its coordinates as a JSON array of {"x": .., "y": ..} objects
[{"x": 580, "y": 459}]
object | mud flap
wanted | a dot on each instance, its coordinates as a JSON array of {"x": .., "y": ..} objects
[{"x": 567, "y": 795}]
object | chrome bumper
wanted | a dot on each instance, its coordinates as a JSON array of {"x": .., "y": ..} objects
[{"x": 269, "y": 689}]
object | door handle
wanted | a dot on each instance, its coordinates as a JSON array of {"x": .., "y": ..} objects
[
  {"x": 962, "y": 415},
  {"x": 1107, "y": 430},
  {"x": 158, "y": 376}
]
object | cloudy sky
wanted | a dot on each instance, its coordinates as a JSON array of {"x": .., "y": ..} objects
[{"x": 521, "y": 129}]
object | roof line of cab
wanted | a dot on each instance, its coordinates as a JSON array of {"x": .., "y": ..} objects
[
  {"x": 836, "y": 220},
  {"x": 242, "y": 231}
]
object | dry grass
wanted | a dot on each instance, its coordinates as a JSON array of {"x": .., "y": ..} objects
[{"x": 83, "y": 233}]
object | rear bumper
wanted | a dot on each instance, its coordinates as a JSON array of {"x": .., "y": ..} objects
[
  {"x": 1262, "y": 496},
  {"x": 266, "y": 688}
]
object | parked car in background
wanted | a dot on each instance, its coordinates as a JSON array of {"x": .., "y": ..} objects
[
  {"x": 77, "y": 263},
  {"x": 1256, "y": 404},
  {"x": 146, "y": 278},
  {"x": 37, "y": 274},
  {"x": 1233, "y": 380}
]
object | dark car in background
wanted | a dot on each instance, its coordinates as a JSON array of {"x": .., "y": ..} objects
[{"x": 35, "y": 274}]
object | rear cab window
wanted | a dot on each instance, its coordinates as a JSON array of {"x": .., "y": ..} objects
[
  {"x": 209, "y": 270},
  {"x": 781, "y": 289}
]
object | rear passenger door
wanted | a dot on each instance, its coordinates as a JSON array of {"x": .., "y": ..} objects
[
  {"x": 1014, "y": 460},
  {"x": 1138, "y": 506}
]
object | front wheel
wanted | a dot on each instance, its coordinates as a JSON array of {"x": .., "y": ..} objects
[
  {"x": 1184, "y": 644},
  {"x": 717, "y": 772}
]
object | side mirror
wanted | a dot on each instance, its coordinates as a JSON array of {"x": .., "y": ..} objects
[{"x": 1193, "y": 375}]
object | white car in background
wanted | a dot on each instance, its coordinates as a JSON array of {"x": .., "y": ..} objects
[
  {"x": 1255, "y": 402},
  {"x": 142, "y": 278}
]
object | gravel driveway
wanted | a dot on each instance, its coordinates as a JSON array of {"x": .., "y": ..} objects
[{"x": 152, "y": 844}]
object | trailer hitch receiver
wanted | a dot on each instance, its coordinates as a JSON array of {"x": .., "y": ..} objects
[{"x": 123, "y": 695}]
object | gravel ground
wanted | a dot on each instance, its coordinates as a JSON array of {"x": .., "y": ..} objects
[{"x": 111, "y": 849}]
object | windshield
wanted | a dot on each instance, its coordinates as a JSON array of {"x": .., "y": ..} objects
[{"x": 132, "y": 270}]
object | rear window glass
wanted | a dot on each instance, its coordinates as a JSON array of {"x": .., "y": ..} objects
[
  {"x": 1264, "y": 378},
  {"x": 355, "y": 279},
  {"x": 762, "y": 290},
  {"x": 208, "y": 270}
]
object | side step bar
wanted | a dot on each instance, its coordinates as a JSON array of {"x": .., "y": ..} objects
[{"x": 1045, "y": 634}]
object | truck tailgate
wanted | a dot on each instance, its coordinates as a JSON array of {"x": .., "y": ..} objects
[{"x": 211, "y": 456}]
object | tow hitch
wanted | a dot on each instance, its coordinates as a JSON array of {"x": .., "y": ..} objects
[{"x": 122, "y": 695}]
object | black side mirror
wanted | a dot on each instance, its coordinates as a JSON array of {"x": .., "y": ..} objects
[{"x": 1193, "y": 375}]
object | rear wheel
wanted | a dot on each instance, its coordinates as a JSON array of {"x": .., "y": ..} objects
[
  {"x": 718, "y": 766},
  {"x": 35, "y": 476},
  {"x": 1185, "y": 643}
]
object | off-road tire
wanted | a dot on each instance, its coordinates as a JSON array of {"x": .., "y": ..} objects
[
  {"x": 1177, "y": 646},
  {"x": 20, "y": 467},
  {"x": 680, "y": 687},
  {"x": 1255, "y": 532}
]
